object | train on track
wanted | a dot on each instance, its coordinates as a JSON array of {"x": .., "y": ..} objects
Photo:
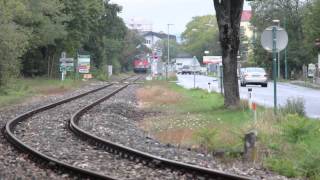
[{"x": 141, "y": 65}]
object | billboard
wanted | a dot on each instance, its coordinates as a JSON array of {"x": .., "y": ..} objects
[
  {"x": 212, "y": 59},
  {"x": 84, "y": 64}
]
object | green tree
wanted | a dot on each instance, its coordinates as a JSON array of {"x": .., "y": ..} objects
[
  {"x": 311, "y": 26},
  {"x": 175, "y": 48},
  {"x": 202, "y": 35},
  {"x": 291, "y": 15},
  {"x": 132, "y": 47},
  {"x": 13, "y": 39},
  {"x": 46, "y": 23}
]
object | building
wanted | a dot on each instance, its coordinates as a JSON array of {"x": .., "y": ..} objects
[
  {"x": 139, "y": 24},
  {"x": 152, "y": 38},
  {"x": 245, "y": 24},
  {"x": 246, "y": 35}
]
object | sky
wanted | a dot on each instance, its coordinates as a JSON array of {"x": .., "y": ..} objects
[{"x": 162, "y": 12}]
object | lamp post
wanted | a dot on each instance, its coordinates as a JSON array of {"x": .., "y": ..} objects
[{"x": 168, "y": 51}]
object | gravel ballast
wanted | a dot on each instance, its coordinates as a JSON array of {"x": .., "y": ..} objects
[
  {"x": 116, "y": 120},
  {"x": 17, "y": 165},
  {"x": 48, "y": 133}
]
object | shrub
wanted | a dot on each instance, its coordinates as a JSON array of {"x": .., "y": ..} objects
[
  {"x": 294, "y": 106},
  {"x": 283, "y": 166},
  {"x": 296, "y": 128}
]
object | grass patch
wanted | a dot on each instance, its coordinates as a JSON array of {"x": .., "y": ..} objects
[
  {"x": 288, "y": 143},
  {"x": 19, "y": 89},
  {"x": 210, "y": 125}
]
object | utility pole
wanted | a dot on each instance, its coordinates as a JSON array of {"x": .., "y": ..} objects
[{"x": 167, "y": 66}]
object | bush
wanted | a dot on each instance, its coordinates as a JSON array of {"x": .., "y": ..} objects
[
  {"x": 283, "y": 166},
  {"x": 296, "y": 128},
  {"x": 294, "y": 106}
]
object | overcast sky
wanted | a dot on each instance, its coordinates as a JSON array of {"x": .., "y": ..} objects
[{"x": 163, "y": 12}]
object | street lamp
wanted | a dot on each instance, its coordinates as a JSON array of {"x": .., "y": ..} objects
[{"x": 168, "y": 50}]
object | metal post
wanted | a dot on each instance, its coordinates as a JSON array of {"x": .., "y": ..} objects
[
  {"x": 168, "y": 51},
  {"x": 274, "y": 52},
  {"x": 285, "y": 53},
  {"x": 278, "y": 62}
]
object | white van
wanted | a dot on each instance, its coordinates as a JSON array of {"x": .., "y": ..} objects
[{"x": 187, "y": 65}]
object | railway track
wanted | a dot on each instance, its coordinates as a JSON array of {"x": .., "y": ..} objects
[{"x": 14, "y": 135}]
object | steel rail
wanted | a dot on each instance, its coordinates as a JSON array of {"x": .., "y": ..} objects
[
  {"x": 8, "y": 132},
  {"x": 140, "y": 156}
]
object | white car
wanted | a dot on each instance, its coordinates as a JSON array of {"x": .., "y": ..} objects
[{"x": 253, "y": 75}]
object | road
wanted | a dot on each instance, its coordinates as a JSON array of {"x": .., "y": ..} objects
[{"x": 263, "y": 96}]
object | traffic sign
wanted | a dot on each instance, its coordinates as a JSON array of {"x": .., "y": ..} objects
[
  {"x": 68, "y": 60},
  {"x": 281, "y": 40}
]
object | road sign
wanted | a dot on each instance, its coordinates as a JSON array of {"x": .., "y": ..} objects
[
  {"x": 281, "y": 40},
  {"x": 68, "y": 60}
]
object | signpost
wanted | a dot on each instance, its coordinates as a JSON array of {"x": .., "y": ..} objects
[
  {"x": 66, "y": 65},
  {"x": 274, "y": 39}
]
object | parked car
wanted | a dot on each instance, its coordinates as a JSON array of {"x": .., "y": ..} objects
[
  {"x": 186, "y": 70},
  {"x": 253, "y": 75}
]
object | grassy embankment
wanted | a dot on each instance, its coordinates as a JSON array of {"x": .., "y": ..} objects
[
  {"x": 20, "y": 89},
  {"x": 288, "y": 144}
]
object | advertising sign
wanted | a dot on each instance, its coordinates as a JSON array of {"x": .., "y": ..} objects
[
  {"x": 212, "y": 59},
  {"x": 84, "y": 64}
]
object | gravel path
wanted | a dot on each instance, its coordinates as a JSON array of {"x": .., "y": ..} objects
[
  {"x": 48, "y": 133},
  {"x": 116, "y": 120},
  {"x": 16, "y": 165}
]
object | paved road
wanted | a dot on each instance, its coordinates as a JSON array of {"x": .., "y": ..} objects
[{"x": 263, "y": 96}]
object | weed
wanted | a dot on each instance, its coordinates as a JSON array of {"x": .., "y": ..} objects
[
  {"x": 283, "y": 166},
  {"x": 206, "y": 138},
  {"x": 294, "y": 106},
  {"x": 296, "y": 128}
]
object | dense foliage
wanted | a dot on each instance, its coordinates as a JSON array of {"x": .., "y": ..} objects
[
  {"x": 299, "y": 18},
  {"x": 202, "y": 35},
  {"x": 33, "y": 33}
]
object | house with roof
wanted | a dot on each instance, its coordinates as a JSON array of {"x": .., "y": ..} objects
[{"x": 152, "y": 38}]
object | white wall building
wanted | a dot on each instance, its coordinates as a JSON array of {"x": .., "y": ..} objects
[{"x": 152, "y": 38}]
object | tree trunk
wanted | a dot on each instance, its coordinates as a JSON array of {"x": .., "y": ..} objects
[{"x": 228, "y": 13}]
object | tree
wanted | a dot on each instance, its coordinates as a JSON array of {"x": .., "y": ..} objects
[
  {"x": 175, "y": 48},
  {"x": 228, "y": 13},
  {"x": 292, "y": 15},
  {"x": 201, "y": 35},
  {"x": 13, "y": 39}
]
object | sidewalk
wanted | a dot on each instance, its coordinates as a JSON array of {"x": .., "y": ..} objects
[{"x": 305, "y": 84}]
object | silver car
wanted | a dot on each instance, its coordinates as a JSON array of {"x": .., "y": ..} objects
[{"x": 253, "y": 75}]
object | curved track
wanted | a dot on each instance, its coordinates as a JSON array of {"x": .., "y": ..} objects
[
  {"x": 46, "y": 160},
  {"x": 137, "y": 156}
]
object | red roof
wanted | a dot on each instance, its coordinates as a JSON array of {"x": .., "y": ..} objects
[{"x": 246, "y": 15}]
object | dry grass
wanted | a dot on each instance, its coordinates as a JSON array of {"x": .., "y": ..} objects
[
  {"x": 176, "y": 136},
  {"x": 157, "y": 95}
]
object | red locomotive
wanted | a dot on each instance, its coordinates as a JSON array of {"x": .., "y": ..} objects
[{"x": 141, "y": 65}]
